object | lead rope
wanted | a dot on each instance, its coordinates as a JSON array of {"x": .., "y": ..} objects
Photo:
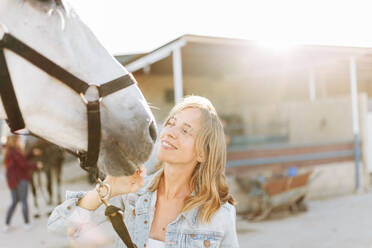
[{"x": 115, "y": 214}]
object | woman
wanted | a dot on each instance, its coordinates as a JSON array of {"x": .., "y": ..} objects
[
  {"x": 186, "y": 203},
  {"x": 18, "y": 172}
]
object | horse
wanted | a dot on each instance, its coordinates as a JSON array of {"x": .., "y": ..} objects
[
  {"x": 52, "y": 158},
  {"x": 51, "y": 109}
]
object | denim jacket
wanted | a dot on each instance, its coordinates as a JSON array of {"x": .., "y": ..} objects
[{"x": 139, "y": 208}]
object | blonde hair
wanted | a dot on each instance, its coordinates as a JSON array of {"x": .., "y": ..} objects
[{"x": 208, "y": 180}]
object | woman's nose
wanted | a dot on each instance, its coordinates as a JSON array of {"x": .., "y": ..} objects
[{"x": 172, "y": 132}]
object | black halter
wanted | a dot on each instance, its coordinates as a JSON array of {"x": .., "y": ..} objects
[{"x": 88, "y": 159}]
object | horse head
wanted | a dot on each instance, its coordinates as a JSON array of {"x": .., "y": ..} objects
[{"x": 54, "y": 111}]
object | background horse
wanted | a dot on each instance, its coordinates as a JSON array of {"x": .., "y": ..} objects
[
  {"x": 54, "y": 111},
  {"x": 49, "y": 177}
]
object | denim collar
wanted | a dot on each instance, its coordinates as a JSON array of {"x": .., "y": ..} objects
[{"x": 191, "y": 216}]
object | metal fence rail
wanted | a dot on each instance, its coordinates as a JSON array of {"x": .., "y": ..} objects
[{"x": 287, "y": 155}]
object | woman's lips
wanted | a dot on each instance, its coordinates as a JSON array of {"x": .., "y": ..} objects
[{"x": 168, "y": 145}]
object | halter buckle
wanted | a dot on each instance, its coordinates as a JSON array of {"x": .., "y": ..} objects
[{"x": 95, "y": 95}]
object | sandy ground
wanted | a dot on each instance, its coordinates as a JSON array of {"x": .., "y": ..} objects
[{"x": 344, "y": 222}]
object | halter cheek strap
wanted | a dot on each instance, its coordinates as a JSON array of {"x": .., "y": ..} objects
[{"x": 14, "y": 115}]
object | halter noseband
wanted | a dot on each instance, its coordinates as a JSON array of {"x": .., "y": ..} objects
[{"x": 88, "y": 159}]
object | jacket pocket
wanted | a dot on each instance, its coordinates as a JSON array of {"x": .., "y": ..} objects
[{"x": 207, "y": 239}]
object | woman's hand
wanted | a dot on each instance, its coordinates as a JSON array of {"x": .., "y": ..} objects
[
  {"x": 126, "y": 184},
  {"x": 119, "y": 185}
]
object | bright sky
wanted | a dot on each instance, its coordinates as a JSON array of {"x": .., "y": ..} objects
[{"x": 130, "y": 26}]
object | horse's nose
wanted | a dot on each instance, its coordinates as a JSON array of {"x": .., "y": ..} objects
[{"x": 152, "y": 131}]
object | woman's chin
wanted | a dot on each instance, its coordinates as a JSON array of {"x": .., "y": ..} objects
[{"x": 162, "y": 155}]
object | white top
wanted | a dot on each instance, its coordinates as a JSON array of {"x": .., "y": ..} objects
[{"x": 153, "y": 243}]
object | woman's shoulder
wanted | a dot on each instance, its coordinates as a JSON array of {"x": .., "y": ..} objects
[
  {"x": 10, "y": 150},
  {"x": 227, "y": 207},
  {"x": 223, "y": 218},
  {"x": 225, "y": 213},
  {"x": 11, "y": 153}
]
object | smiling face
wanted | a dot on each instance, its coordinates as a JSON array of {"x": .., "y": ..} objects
[
  {"x": 193, "y": 140},
  {"x": 178, "y": 138}
]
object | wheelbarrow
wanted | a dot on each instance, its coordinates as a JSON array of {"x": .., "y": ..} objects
[{"x": 266, "y": 194}]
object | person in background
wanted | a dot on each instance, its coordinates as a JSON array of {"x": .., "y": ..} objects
[{"x": 18, "y": 172}]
